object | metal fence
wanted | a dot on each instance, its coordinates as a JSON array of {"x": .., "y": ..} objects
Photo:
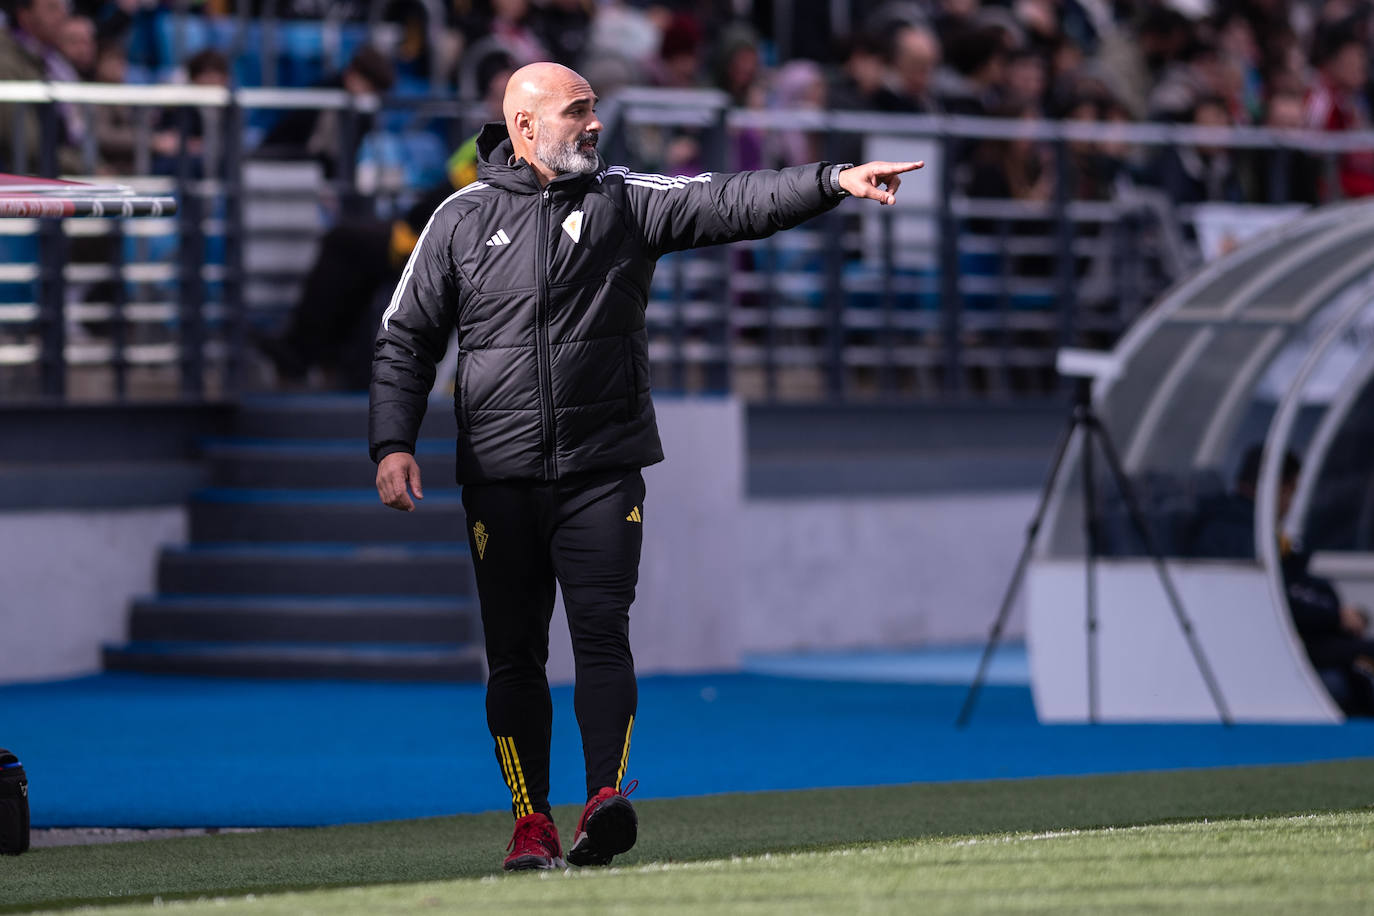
[{"x": 944, "y": 295}]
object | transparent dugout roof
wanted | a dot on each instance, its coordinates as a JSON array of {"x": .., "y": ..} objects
[{"x": 1205, "y": 370}]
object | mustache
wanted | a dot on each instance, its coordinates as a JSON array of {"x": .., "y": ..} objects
[{"x": 591, "y": 137}]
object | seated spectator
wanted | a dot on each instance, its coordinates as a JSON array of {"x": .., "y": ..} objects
[
  {"x": 564, "y": 27},
  {"x": 977, "y": 59},
  {"x": 954, "y": 16},
  {"x": 29, "y": 50},
  {"x": 115, "y": 126},
  {"x": 1095, "y": 168},
  {"x": 76, "y": 42},
  {"x": 1287, "y": 175},
  {"x": 1198, "y": 73},
  {"x": 798, "y": 85},
  {"x": 860, "y": 78},
  {"x": 507, "y": 24},
  {"x": 913, "y": 58},
  {"x": 1333, "y": 632},
  {"x": 204, "y": 68},
  {"x": 1017, "y": 169},
  {"x": 314, "y": 133},
  {"x": 1225, "y": 523},
  {"x": 1027, "y": 82},
  {"x": 738, "y": 68},
  {"x": 679, "y": 63},
  {"x": 1199, "y": 174},
  {"x": 1337, "y": 103}
]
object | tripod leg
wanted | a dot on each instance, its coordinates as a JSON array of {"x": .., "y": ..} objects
[
  {"x": 1014, "y": 585},
  {"x": 1138, "y": 522},
  {"x": 1090, "y": 569}
]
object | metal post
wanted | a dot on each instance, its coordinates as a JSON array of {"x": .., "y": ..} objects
[
  {"x": 119, "y": 328},
  {"x": 1066, "y": 273},
  {"x": 232, "y": 289},
  {"x": 951, "y": 299},
  {"x": 887, "y": 370},
  {"x": 834, "y": 304},
  {"x": 52, "y": 255},
  {"x": 1279, "y": 165},
  {"x": 351, "y": 202},
  {"x": 770, "y": 326},
  {"x": 49, "y": 137},
  {"x": 52, "y": 295},
  {"x": 1090, "y": 560},
  {"x": 1004, "y": 304},
  {"x": 191, "y": 258}
]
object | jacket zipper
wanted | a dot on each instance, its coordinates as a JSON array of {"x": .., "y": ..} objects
[{"x": 541, "y": 332}]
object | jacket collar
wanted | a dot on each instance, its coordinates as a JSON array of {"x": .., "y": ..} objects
[{"x": 496, "y": 167}]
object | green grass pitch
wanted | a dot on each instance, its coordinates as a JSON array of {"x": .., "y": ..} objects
[{"x": 1261, "y": 839}]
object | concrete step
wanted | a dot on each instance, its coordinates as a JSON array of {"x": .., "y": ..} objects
[
  {"x": 351, "y": 516},
  {"x": 438, "y": 662},
  {"x": 314, "y": 463},
  {"x": 294, "y": 618},
  {"x": 316, "y": 569},
  {"x": 328, "y": 416}
]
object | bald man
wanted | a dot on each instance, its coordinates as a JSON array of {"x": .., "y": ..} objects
[{"x": 543, "y": 267}]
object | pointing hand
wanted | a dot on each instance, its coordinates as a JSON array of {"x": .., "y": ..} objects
[{"x": 876, "y": 180}]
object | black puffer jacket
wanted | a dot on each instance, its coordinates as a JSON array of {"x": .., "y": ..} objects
[{"x": 547, "y": 288}]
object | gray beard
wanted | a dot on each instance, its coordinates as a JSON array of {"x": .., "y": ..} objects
[{"x": 566, "y": 158}]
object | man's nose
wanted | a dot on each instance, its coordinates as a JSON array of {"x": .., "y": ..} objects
[{"x": 595, "y": 125}]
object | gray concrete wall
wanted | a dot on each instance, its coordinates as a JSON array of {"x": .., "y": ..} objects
[
  {"x": 723, "y": 575},
  {"x": 66, "y": 578}
]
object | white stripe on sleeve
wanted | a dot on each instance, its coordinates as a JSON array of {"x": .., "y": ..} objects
[{"x": 410, "y": 263}]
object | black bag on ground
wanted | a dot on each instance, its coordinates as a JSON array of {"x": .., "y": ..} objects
[{"x": 14, "y": 805}]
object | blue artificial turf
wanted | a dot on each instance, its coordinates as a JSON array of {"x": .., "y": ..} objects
[{"x": 139, "y": 750}]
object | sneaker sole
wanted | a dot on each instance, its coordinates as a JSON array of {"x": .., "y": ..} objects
[
  {"x": 533, "y": 863},
  {"x": 610, "y": 830}
]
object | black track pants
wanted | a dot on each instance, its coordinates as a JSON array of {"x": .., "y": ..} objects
[{"x": 585, "y": 533}]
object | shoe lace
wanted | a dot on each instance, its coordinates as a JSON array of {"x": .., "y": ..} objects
[
  {"x": 535, "y": 835},
  {"x": 630, "y": 787}
]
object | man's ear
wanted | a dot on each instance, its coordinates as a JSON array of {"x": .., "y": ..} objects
[{"x": 524, "y": 122}]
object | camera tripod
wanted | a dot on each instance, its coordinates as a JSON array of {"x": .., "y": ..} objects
[{"x": 1085, "y": 419}]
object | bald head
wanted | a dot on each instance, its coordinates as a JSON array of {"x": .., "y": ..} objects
[
  {"x": 530, "y": 88},
  {"x": 550, "y": 113}
]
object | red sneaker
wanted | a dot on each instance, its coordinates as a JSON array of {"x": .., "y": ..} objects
[
  {"x": 608, "y": 827},
  {"x": 534, "y": 844}
]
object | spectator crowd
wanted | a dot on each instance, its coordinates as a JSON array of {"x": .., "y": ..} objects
[{"x": 1274, "y": 63}]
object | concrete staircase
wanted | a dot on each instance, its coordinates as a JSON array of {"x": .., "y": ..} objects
[{"x": 294, "y": 569}]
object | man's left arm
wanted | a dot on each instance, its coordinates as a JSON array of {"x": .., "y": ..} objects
[{"x": 674, "y": 213}]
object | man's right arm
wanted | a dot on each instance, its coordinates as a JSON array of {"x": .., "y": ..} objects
[
  {"x": 676, "y": 212},
  {"x": 411, "y": 341}
]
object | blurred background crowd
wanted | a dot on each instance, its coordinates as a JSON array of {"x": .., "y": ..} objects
[
  {"x": 1155, "y": 120},
  {"x": 1271, "y": 63}
]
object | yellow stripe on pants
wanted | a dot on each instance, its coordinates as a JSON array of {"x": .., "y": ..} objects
[
  {"x": 508, "y": 771},
  {"x": 625, "y": 756},
  {"x": 520, "y": 776}
]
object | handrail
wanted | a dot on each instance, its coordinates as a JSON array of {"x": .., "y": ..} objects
[{"x": 703, "y": 106}]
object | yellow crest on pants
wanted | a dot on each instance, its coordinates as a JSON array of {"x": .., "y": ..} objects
[{"x": 479, "y": 536}]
